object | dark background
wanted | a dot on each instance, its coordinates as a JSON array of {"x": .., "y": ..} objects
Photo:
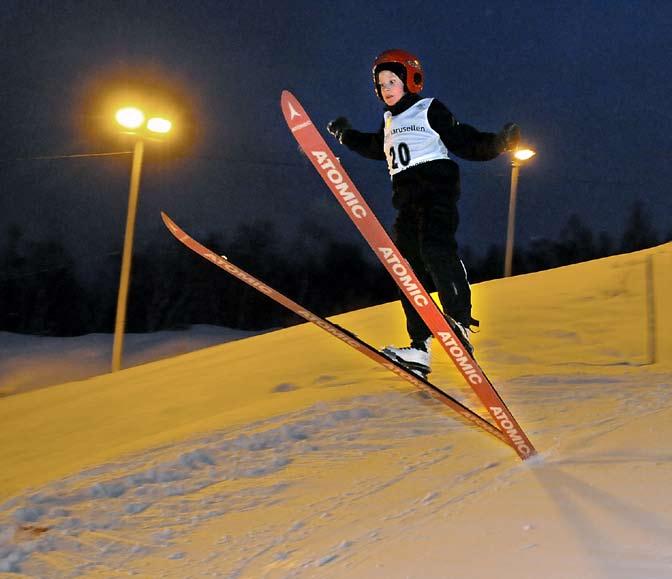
[{"x": 588, "y": 82}]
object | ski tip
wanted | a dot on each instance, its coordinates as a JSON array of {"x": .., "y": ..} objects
[
  {"x": 171, "y": 225},
  {"x": 168, "y": 222},
  {"x": 288, "y": 104},
  {"x": 293, "y": 112},
  {"x": 285, "y": 98}
]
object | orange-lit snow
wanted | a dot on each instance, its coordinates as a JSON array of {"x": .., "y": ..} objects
[{"x": 289, "y": 455}]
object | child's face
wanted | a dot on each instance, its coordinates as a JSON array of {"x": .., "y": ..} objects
[{"x": 391, "y": 87}]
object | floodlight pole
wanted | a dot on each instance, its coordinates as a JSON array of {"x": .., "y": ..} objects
[
  {"x": 510, "y": 231},
  {"x": 124, "y": 280}
]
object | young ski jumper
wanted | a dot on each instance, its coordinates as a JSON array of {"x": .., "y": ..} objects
[{"x": 415, "y": 138}]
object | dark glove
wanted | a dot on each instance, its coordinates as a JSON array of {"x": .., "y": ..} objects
[
  {"x": 338, "y": 126},
  {"x": 509, "y": 137}
]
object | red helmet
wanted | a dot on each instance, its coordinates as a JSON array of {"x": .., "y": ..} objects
[{"x": 404, "y": 64}]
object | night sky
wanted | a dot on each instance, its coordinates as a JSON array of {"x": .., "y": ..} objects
[{"x": 588, "y": 82}]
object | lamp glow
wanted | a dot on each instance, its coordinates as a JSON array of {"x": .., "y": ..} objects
[
  {"x": 524, "y": 154},
  {"x": 159, "y": 125},
  {"x": 130, "y": 117}
]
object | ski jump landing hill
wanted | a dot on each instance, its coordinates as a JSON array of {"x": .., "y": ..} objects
[
  {"x": 291, "y": 454},
  {"x": 606, "y": 317}
]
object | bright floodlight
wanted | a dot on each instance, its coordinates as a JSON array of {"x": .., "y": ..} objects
[
  {"x": 524, "y": 154},
  {"x": 159, "y": 125},
  {"x": 130, "y": 117}
]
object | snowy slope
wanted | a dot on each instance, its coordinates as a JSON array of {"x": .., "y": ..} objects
[
  {"x": 30, "y": 362},
  {"x": 288, "y": 455}
]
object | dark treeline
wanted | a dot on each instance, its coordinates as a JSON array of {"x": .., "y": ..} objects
[
  {"x": 171, "y": 288},
  {"x": 576, "y": 243}
]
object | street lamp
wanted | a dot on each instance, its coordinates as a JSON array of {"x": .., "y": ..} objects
[
  {"x": 132, "y": 121},
  {"x": 519, "y": 157}
]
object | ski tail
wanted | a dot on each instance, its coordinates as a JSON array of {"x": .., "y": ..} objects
[
  {"x": 466, "y": 414},
  {"x": 351, "y": 200}
]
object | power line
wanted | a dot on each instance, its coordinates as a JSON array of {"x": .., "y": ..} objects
[
  {"x": 467, "y": 171},
  {"x": 58, "y": 157}
]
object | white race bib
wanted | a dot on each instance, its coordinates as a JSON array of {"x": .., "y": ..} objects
[{"x": 409, "y": 140}]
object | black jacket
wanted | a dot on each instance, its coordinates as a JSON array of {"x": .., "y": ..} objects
[{"x": 434, "y": 181}]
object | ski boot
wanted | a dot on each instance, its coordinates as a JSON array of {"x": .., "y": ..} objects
[
  {"x": 416, "y": 357},
  {"x": 462, "y": 332}
]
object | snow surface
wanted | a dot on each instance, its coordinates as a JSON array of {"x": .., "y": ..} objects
[
  {"x": 29, "y": 362},
  {"x": 289, "y": 455}
]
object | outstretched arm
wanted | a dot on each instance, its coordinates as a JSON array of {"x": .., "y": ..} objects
[{"x": 467, "y": 142}]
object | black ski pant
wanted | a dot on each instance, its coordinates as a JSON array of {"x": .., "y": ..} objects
[{"x": 425, "y": 236}]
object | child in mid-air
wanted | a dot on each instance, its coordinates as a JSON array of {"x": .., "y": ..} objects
[{"x": 415, "y": 138}]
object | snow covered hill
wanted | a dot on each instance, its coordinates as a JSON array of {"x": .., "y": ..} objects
[
  {"x": 289, "y": 455},
  {"x": 31, "y": 362}
]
